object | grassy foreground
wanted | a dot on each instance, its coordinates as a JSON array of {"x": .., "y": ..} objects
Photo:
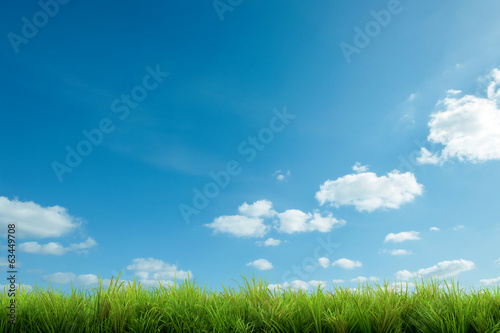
[{"x": 254, "y": 308}]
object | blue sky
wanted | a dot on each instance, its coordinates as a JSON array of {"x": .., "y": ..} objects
[{"x": 319, "y": 141}]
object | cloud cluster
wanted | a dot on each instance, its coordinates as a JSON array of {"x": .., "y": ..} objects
[{"x": 251, "y": 222}]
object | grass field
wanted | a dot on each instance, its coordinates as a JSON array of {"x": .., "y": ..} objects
[{"x": 254, "y": 308}]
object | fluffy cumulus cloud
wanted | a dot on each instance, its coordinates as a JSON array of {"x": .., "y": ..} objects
[
  {"x": 468, "y": 127},
  {"x": 294, "y": 220},
  {"x": 57, "y": 249},
  {"x": 324, "y": 262},
  {"x": 261, "y": 264},
  {"x": 367, "y": 192},
  {"x": 35, "y": 221},
  {"x": 239, "y": 226},
  {"x": 442, "y": 270},
  {"x": 346, "y": 263},
  {"x": 402, "y": 236},
  {"x": 270, "y": 242},
  {"x": 434, "y": 229},
  {"x": 261, "y": 208}
]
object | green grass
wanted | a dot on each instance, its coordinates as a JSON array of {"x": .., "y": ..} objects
[{"x": 254, "y": 308}]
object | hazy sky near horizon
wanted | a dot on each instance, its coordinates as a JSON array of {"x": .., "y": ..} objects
[{"x": 312, "y": 142}]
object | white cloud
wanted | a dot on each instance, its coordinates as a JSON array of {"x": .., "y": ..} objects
[
  {"x": 426, "y": 157},
  {"x": 402, "y": 236},
  {"x": 362, "y": 279},
  {"x": 239, "y": 226},
  {"x": 324, "y": 224},
  {"x": 26, "y": 288},
  {"x": 260, "y": 208},
  {"x": 443, "y": 269},
  {"x": 324, "y": 262},
  {"x": 149, "y": 272},
  {"x": 391, "y": 287},
  {"x": 412, "y": 97},
  {"x": 435, "y": 229},
  {"x": 399, "y": 252},
  {"x": 294, "y": 220},
  {"x": 346, "y": 263},
  {"x": 368, "y": 192},
  {"x": 57, "y": 249},
  {"x": 270, "y": 242},
  {"x": 298, "y": 284},
  {"x": 280, "y": 175},
  {"x": 453, "y": 92},
  {"x": 261, "y": 264},
  {"x": 68, "y": 278},
  {"x": 358, "y": 168},
  {"x": 338, "y": 281},
  {"x": 490, "y": 281},
  {"x": 468, "y": 127},
  {"x": 290, "y": 221},
  {"x": 458, "y": 227},
  {"x": 35, "y": 221}
]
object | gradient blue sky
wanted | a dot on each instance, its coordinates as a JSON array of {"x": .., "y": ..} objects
[{"x": 373, "y": 128}]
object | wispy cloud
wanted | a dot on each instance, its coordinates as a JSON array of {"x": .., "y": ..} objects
[
  {"x": 358, "y": 168},
  {"x": 443, "y": 270},
  {"x": 398, "y": 252},
  {"x": 57, "y": 249},
  {"x": 281, "y": 175}
]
